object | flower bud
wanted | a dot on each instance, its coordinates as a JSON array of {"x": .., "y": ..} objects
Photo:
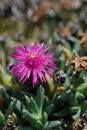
[{"x": 60, "y": 77}]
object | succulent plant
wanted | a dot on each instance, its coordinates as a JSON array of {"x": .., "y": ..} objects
[
  {"x": 34, "y": 111},
  {"x": 50, "y": 103}
]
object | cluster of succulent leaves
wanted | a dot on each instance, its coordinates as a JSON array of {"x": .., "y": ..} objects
[
  {"x": 51, "y": 105},
  {"x": 35, "y": 110}
]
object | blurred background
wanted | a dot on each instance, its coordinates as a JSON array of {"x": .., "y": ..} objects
[
  {"x": 40, "y": 18},
  {"x": 52, "y": 21}
]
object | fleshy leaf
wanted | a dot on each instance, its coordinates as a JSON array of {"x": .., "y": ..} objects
[
  {"x": 51, "y": 124},
  {"x": 44, "y": 118},
  {"x": 49, "y": 109},
  {"x": 39, "y": 125},
  {"x": 40, "y": 98},
  {"x": 30, "y": 117},
  {"x": 33, "y": 105},
  {"x": 2, "y": 119}
]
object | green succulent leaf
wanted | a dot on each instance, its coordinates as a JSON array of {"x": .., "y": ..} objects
[
  {"x": 4, "y": 94},
  {"x": 44, "y": 118},
  {"x": 54, "y": 99},
  {"x": 73, "y": 100},
  {"x": 2, "y": 119},
  {"x": 39, "y": 125},
  {"x": 83, "y": 89},
  {"x": 49, "y": 109},
  {"x": 40, "y": 98},
  {"x": 46, "y": 101},
  {"x": 52, "y": 124},
  {"x": 79, "y": 96},
  {"x": 78, "y": 81},
  {"x": 27, "y": 99},
  {"x": 30, "y": 117},
  {"x": 75, "y": 112},
  {"x": 33, "y": 106},
  {"x": 9, "y": 110},
  {"x": 84, "y": 105},
  {"x": 18, "y": 104}
]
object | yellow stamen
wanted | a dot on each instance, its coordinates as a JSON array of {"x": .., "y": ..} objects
[{"x": 33, "y": 55}]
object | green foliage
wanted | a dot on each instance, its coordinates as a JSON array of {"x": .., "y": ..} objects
[
  {"x": 34, "y": 112},
  {"x": 2, "y": 119},
  {"x": 4, "y": 94}
]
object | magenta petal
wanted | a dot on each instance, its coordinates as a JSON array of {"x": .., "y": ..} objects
[
  {"x": 27, "y": 75},
  {"x": 34, "y": 76},
  {"x": 41, "y": 76}
]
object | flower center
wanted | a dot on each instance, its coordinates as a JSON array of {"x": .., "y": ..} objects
[
  {"x": 33, "y": 61},
  {"x": 33, "y": 55}
]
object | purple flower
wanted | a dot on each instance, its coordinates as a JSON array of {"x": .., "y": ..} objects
[{"x": 32, "y": 60}]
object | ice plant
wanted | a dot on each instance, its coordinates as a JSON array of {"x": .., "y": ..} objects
[{"x": 32, "y": 60}]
